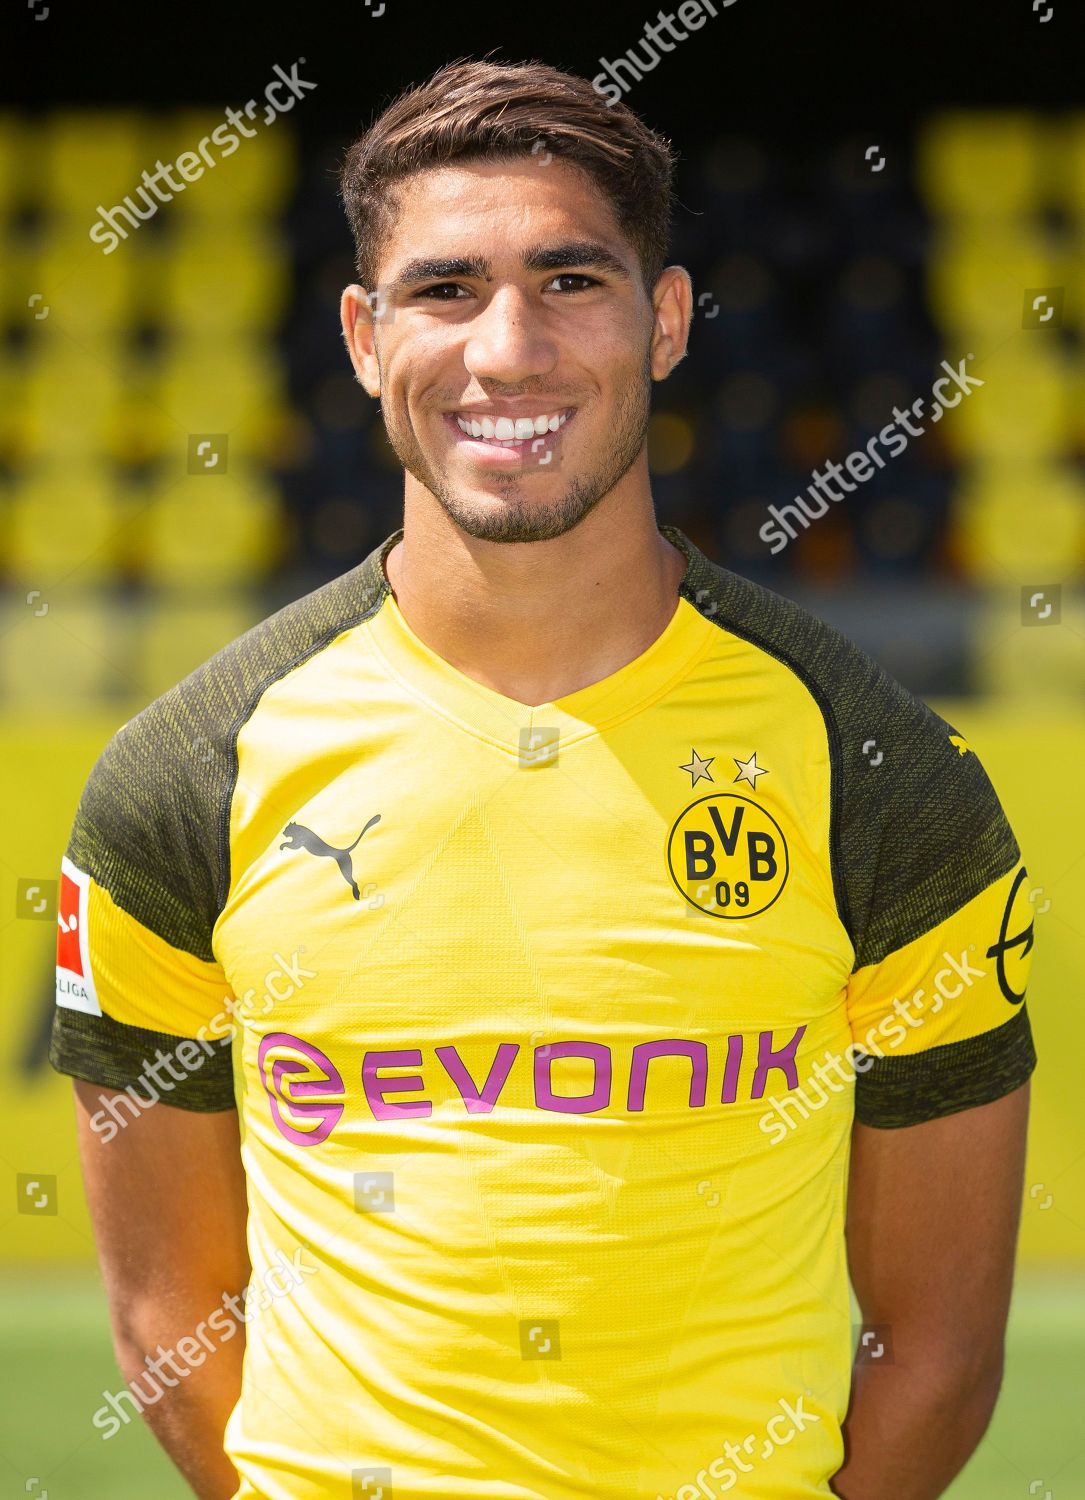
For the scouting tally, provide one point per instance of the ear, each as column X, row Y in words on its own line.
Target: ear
column 672, row 301
column 356, row 313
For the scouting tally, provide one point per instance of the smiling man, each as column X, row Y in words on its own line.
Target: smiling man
column 630, row 998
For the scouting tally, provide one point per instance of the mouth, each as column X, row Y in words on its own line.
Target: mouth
column 533, row 438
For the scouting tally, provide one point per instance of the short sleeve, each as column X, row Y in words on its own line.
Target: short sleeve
column 142, row 1002
column 937, row 1011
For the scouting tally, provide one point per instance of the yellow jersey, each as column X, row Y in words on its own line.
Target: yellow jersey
column 547, row 1027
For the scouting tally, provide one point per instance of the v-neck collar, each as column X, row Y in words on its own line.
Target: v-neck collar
column 488, row 714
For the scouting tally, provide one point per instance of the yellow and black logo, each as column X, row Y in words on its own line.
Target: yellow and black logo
column 727, row 856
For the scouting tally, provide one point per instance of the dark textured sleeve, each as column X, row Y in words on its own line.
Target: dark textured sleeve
column 142, row 1003
column 939, row 898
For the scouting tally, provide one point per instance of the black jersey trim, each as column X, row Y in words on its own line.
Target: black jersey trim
column 103, row 1050
column 899, row 1091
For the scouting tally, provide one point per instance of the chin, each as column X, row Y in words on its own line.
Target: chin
column 497, row 518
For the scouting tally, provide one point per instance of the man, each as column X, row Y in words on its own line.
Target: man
column 576, row 915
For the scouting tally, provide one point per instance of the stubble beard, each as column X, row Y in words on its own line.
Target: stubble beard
column 520, row 518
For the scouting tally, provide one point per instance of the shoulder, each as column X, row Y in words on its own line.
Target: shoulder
column 152, row 821
column 916, row 827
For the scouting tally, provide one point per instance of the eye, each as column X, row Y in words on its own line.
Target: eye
column 576, row 276
column 441, row 286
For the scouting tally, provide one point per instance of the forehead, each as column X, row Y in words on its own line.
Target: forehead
column 495, row 208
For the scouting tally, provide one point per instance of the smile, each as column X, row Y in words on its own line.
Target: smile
column 497, row 432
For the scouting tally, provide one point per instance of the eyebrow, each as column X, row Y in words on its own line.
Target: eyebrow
column 585, row 253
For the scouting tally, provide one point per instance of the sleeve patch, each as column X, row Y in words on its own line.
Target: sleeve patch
column 965, row 976
column 75, row 980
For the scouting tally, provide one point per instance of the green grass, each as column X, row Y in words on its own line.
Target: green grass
column 54, row 1343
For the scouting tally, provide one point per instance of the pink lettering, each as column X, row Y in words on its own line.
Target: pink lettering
column 479, row 1103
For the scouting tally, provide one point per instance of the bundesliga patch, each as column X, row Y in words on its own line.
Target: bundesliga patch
column 75, row 982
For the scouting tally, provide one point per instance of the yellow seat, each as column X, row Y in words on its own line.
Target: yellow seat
column 89, row 294
column 1024, row 411
column 227, row 277
column 70, row 396
column 23, row 299
column 15, row 433
column 1066, row 163
column 68, row 655
column 19, row 173
column 91, row 158
column 63, row 527
column 977, row 278
column 206, row 532
column 213, row 384
column 254, row 181
column 1018, row 524
column 982, row 164
column 1012, row 660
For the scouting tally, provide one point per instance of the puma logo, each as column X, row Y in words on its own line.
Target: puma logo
column 297, row 836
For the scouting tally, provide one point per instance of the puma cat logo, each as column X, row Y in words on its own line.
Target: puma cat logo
column 297, row 836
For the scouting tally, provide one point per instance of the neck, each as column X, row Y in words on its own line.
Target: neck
column 536, row 621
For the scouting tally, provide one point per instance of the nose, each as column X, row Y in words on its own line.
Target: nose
column 508, row 341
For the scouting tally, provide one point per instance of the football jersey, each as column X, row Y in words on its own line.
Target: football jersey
column 547, row 1028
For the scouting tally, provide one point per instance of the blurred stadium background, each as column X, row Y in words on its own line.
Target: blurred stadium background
column 828, row 291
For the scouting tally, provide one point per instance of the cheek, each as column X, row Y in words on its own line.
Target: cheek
column 609, row 353
column 421, row 372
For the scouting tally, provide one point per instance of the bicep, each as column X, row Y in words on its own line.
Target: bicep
column 932, row 1220
column 167, row 1201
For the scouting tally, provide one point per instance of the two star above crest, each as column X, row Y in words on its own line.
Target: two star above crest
column 748, row 770
column 698, row 768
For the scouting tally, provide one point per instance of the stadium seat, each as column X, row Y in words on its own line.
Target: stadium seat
column 213, row 385
column 253, row 182
column 89, row 293
column 1024, row 409
column 70, row 395
column 977, row 277
column 982, row 165
column 65, row 657
column 19, row 164
column 221, row 278
column 64, row 525
column 23, row 302
column 15, row 436
column 91, row 158
column 1021, row 523
column 1066, row 164
column 1011, row 660
column 206, row 532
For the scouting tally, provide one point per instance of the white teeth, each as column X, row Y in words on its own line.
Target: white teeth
column 506, row 429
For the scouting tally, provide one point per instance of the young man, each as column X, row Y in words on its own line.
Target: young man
column 582, row 960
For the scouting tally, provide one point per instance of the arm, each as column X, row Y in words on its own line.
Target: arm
column 933, row 1213
column 167, row 1203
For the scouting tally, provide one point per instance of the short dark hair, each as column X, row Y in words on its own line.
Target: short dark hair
column 496, row 111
